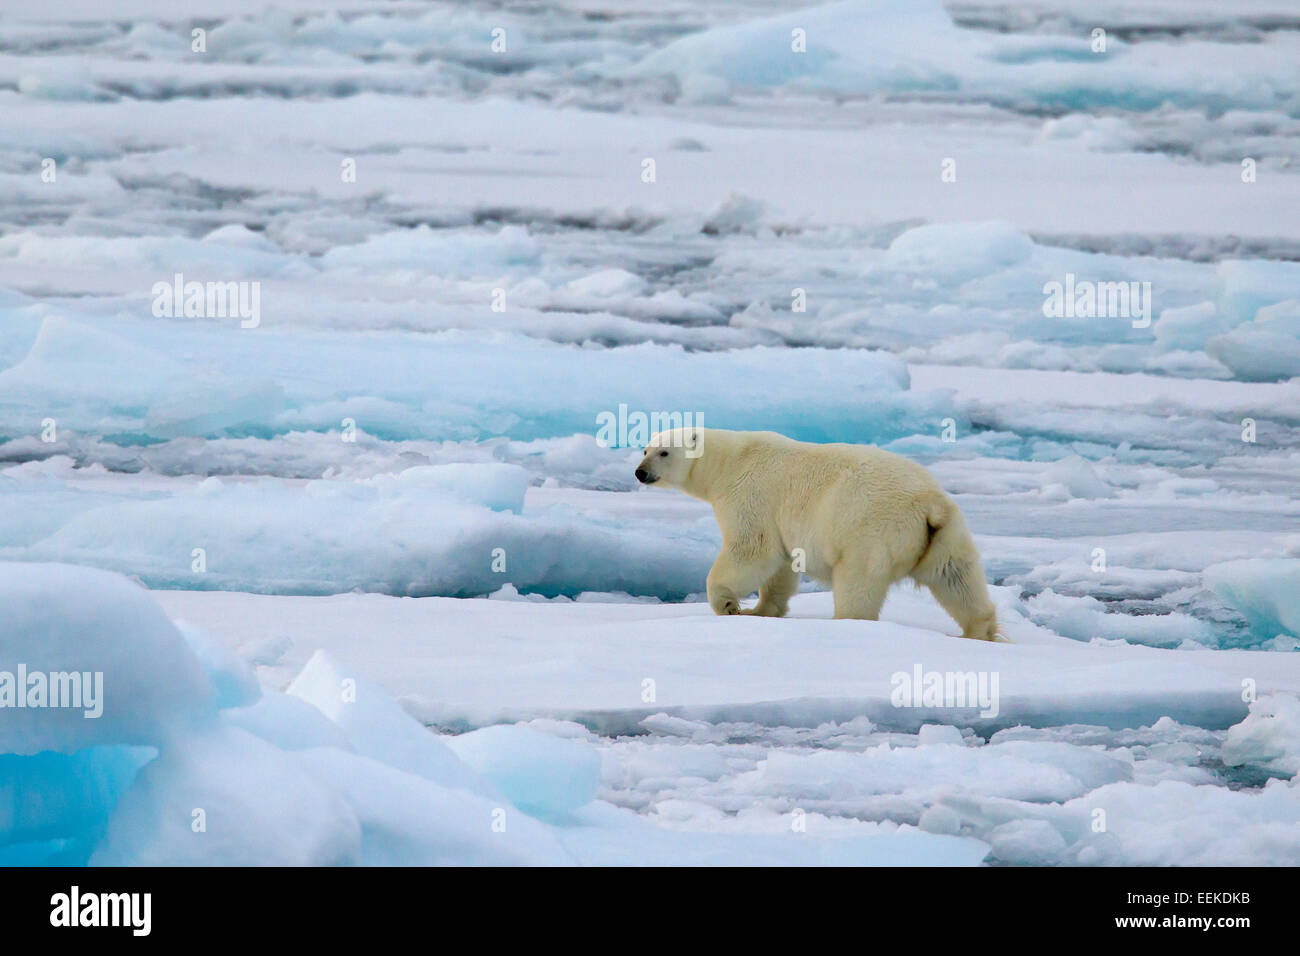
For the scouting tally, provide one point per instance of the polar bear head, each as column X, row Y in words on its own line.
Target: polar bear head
column 670, row 456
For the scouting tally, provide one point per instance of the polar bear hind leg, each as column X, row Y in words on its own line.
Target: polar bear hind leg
column 957, row 589
column 951, row 569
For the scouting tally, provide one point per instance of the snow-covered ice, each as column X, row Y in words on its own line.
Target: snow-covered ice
column 403, row 601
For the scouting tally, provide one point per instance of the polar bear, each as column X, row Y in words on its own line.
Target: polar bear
column 851, row 516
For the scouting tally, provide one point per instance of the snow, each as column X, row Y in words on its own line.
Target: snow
column 1269, row 737
column 375, row 726
column 423, row 531
column 1168, row 823
column 399, row 572
column 905, row 46
column 334, row 771
column 421, row 249
column 613, row 837
column 1025, row 771
column 290, row 723
column 233, row 682
column 740, row 740
column 1257, row 354
column 224, row 797
column 262, row 382
column 1027, row 842
column 407, row 820
column 801, row 671
column 543, row 775
column 959, row 251
column 139, row 681
column 1265, row 590
column 330, row 771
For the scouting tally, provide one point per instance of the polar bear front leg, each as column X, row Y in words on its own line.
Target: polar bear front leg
column 732, row 578
column 775, row 593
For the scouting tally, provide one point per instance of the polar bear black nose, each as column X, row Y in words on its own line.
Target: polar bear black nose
column 641, row 475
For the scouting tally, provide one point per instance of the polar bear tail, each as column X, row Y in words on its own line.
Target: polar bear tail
column 950, row 567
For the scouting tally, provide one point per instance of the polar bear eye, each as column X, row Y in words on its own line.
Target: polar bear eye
column 663, row 454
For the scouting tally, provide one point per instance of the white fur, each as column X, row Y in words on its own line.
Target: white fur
column 862, row 519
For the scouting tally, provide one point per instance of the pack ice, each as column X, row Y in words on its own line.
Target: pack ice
column 189, row 763
column 357, row 577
